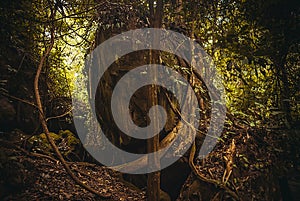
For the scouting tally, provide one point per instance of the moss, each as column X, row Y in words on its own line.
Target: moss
column 71, row 138
column 65, row 140
column 71, row 141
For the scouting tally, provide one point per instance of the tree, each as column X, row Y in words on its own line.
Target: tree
column 153, row 184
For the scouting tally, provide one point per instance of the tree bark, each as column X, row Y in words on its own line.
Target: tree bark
column 153, row 181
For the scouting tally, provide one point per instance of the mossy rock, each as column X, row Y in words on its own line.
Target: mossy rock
column 65, row 140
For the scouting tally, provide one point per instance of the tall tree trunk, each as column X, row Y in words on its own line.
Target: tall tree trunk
column 153, row 183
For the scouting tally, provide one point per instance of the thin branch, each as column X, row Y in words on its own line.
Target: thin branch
column 19, row 99
column 71, row 15
column 59, row 116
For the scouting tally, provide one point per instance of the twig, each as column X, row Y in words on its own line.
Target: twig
column 59, row 116
column 21, row 63
column 229, row 162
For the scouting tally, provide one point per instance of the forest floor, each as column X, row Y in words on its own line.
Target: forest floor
column 39, row 177
column 261, row 162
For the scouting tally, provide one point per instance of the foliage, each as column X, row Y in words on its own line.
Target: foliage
column 251, row 42
column 247, row 40
column 254, row 44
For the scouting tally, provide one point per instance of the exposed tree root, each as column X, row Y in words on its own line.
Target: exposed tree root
column 142, row 162
column 203, row 178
